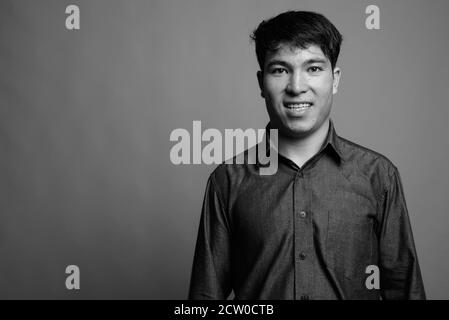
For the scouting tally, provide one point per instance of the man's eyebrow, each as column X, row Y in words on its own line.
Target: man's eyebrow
column 278, row 62
column 286, row 64
column 315, row 60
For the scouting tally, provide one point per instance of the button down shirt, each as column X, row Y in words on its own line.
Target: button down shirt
column 307, row 232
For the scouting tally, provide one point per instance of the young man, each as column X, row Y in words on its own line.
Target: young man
column 332, row 212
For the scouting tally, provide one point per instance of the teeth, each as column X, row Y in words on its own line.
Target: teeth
column 299, row 106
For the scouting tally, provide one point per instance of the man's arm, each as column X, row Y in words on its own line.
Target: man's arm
column 400, row 275
column 211, row 272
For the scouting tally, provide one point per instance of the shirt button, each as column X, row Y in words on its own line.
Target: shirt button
column 304, row 297
column 302, row 256
column 303, row 214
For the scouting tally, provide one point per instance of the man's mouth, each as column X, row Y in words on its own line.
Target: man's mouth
column 299, row 106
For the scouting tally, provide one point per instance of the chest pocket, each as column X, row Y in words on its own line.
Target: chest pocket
column 349, row 241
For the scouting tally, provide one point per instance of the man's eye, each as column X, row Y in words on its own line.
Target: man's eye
column 278, row 70
column 314, row 69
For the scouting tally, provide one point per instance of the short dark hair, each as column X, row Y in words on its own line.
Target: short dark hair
column 299, row 29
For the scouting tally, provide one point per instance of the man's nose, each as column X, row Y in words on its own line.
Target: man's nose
column 297, row 84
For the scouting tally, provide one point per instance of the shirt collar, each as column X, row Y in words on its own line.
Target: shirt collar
column 332, row 141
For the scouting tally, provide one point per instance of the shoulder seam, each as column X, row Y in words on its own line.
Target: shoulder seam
column 220, row 199
column 368, row 150
column 219, row 194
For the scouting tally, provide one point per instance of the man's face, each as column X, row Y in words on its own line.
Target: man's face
column 298, row 85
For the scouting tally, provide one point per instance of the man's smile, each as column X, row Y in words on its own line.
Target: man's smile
column 298, row 108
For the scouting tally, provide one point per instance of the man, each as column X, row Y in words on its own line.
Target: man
column 333, row 209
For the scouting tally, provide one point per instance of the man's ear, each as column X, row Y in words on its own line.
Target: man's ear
column 260, row 81
column 336, row 81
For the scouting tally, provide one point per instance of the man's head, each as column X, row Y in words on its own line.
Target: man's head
column 297, row 52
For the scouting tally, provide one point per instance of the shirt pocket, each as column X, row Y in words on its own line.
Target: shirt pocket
column 349, row 240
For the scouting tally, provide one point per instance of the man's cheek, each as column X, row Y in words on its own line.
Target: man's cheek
column 324, row 90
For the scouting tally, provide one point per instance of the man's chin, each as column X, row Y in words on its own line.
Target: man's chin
column 293, row 128
column 296, row 132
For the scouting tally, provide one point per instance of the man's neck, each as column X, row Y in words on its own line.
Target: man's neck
column 299, row 150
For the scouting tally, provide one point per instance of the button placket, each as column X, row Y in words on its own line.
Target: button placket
column 303, row 237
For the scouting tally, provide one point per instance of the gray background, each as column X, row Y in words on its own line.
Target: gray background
column 85, row 120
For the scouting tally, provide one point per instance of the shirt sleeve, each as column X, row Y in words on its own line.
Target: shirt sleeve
column 400, row 275
column 211, row 275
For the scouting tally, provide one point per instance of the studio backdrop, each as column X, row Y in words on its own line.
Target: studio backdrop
column 87, row 107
